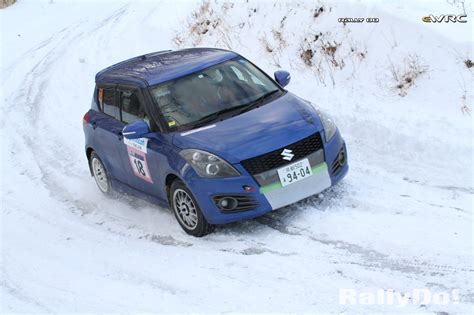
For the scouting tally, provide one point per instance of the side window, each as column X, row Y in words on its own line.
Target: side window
column 106, row 97
column 132, row 109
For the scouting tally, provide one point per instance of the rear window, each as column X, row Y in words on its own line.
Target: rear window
column 106, row 97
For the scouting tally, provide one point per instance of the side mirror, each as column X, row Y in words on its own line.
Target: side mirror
column 282, row 77
column 135, row 130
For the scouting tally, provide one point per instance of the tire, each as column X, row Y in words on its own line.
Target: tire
column 187, row 211
column 100, row 173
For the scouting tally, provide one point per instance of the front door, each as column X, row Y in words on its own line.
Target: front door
column 137, row 154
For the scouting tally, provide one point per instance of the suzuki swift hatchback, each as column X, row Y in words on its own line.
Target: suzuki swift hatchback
column 208, row 133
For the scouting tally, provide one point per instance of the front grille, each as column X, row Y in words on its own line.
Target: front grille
column 274, row 159
column 243, row 202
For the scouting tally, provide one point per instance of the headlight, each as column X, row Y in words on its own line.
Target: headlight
column 207, row 164
column 328, row 124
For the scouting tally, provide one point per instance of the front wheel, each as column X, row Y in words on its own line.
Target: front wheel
column 187, row 211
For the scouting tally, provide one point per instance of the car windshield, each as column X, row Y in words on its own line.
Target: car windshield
column 197, row 99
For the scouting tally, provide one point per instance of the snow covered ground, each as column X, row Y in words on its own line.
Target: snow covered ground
column 401, row 220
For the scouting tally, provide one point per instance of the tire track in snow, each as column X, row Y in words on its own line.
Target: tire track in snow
column 371, row 258
column 29, row 102
column 112, row 19
column 348, row 253
column 32, row 94
column 16, row 293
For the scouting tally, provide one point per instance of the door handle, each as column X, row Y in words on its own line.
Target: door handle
column 119, row 135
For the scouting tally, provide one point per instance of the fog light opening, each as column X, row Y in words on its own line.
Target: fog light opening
column 341, row 158
column 227, row 203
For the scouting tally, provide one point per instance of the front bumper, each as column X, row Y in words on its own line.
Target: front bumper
column 204, row 190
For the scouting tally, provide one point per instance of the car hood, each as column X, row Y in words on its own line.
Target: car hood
column 283, row 121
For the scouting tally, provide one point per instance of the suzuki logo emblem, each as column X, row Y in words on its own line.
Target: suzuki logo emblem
column 287, row 154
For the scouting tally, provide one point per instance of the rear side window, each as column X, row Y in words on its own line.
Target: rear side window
column 107, row 102
column 132, row 109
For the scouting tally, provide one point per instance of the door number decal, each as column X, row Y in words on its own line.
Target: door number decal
column 137, row 158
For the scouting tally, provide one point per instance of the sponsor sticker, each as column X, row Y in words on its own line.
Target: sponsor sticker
column 140, row 144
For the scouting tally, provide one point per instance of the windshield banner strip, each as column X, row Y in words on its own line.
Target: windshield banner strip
column 197, row 130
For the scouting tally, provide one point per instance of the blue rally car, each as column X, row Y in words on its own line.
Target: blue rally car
column 211, row 135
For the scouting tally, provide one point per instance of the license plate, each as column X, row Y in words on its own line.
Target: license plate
column 294, row 172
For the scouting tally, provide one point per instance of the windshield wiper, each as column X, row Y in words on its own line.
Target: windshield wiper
column 256, row 102
column 208, row 118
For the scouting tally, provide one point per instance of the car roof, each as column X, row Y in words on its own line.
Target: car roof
column 161, row 66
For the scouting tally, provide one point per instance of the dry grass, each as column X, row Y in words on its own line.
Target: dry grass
column 361, row 54
column 329, row 51
column 322, row 54
column 468, row 63
column 6, row 3
column 317, row 44
column 465, row 109
column 266, row 45
column 278, row 36
column 203, row 20
column 406, row 75
column 307, row 56
column 317, row 12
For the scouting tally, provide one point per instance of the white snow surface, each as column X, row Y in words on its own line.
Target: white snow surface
column 402, row 218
